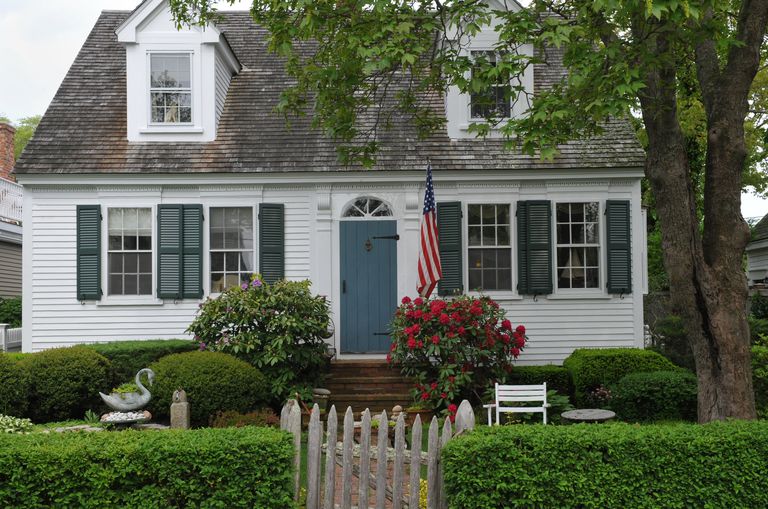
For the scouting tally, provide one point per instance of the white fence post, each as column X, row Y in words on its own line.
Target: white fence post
column 4, row 337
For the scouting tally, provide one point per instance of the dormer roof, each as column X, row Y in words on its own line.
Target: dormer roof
column 84, row 129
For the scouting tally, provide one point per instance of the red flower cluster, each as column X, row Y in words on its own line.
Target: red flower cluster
column 452, row 347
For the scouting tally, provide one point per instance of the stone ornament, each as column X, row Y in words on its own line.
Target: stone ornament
column 130, row 401
column 180, row 414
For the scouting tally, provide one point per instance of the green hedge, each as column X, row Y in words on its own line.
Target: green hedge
column 10, row 311
column 593, row 367
column 214, row 382
column 557, row 377
column 14, row 387
column 609, row 466
column 655, row 396
column 128, row 357
column 760, row 379
column 236, row 467
column 65, row 382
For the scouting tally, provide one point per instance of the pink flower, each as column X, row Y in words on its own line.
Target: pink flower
column 436, row 339
column 444, row 319
column 433, row 385
column 424, row 396
column 443, row 395
column 411, row 343
column 506, row 325
column 418, row 301
column 520, row 341
column 453, row 408
column 406, row 300
column 514, row 351
column 520, row 329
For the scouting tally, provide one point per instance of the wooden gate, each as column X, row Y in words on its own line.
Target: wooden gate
column 349, row 464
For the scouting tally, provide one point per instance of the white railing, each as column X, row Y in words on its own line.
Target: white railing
column 11, row 196
column 10, row 339
column 390, row 483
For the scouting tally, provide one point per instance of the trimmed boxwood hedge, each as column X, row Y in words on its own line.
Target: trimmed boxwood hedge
column 655, row 396
column 592, row 367
column 235, row 467
column 214, row 382
column 557, row 377
column 65, row 382
column 128, row 357
column 609, row 466
column 760, row 379
column 14, row 387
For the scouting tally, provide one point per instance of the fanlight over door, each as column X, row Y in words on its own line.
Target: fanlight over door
column 366, row 207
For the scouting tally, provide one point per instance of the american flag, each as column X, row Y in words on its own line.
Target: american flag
column 430, row 271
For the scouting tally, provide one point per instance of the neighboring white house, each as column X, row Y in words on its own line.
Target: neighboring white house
column 757, row 254
column 160, row 175
column 10, row 218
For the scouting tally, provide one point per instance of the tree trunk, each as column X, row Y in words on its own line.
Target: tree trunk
column 708, row 288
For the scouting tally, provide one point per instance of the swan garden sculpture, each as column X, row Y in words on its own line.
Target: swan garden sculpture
column 127, row 402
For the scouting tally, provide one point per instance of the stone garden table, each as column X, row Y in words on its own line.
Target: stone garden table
column 591, row 415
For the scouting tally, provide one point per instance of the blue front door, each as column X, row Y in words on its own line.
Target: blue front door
column 368, row 285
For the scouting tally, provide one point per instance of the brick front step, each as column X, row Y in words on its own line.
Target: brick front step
column 371, row 384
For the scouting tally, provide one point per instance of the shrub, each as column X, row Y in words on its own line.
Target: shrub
column 232, row 419
column 15, row 356
column 557, row 377
column 758, row 331
column 214, row 382
column 655, row 396
column 10, row 311
column 14, row 386
column 10, row 424
column 610, row 465
column 128, row 357
column 670, row 338
column 758, row 306
column 593, row 367
column 65, row 382
column 237, row 468
column 760, row 379
column 453, row 348
column 278, row 328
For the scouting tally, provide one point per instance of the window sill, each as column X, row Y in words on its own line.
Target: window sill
column 498, row 296
column 150, row 301
column 579, row 296
column 172, row 129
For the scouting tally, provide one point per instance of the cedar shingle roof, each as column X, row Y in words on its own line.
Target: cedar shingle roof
column 84, row 128
column 760, row 231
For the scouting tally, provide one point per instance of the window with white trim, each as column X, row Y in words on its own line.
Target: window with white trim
column 494, row 102
column 232, row 246
column 489, row 247
column 129, row 251
column 170, row 88
column 578, row 245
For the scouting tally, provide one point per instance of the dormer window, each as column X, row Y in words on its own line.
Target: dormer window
column 170, row 88
column 494, row 101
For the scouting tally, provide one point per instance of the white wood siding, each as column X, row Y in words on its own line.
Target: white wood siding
column 757, row 261
column 556, row 324
column 223, row 77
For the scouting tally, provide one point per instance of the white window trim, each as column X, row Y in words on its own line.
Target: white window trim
column 127, row 300
column 179, row 127
column 207, row 238
column 494, row 294
column 601, row 291
column 468, row 106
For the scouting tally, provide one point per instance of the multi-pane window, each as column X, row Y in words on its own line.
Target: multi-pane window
column 493, row 102
column 130, row 251
column 170, row 88
column 578, row 245
column 231, row 246
column 489, row 252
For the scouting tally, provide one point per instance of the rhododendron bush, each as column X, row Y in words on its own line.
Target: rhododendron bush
column 454, row 348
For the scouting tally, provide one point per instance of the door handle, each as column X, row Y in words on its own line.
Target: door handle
column 343, row 286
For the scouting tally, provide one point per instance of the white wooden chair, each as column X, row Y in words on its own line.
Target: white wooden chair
column 518, row 394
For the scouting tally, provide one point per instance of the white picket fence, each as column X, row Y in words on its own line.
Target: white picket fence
column 395, row 486
column 10, row 339
column 11, row 197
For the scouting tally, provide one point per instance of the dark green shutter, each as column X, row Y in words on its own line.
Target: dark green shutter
column 88, row 252
column 169, row 266
column 272, row 241
column 534, row 247
column 619, row 234
column 180, row 251
column 192, row 252
column 449, row 231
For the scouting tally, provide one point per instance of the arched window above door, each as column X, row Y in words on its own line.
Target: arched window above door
column 367, row 207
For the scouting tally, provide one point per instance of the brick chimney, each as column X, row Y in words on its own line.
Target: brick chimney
column 6, row 151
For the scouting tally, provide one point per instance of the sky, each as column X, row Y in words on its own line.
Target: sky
column 39, row 39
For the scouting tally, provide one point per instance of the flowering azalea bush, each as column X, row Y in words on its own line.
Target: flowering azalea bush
column 279, row 328
column 453, row 348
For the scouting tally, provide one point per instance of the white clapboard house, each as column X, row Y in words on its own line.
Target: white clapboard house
column 161, row 174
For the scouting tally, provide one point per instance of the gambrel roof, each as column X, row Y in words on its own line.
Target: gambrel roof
column 84, row 128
